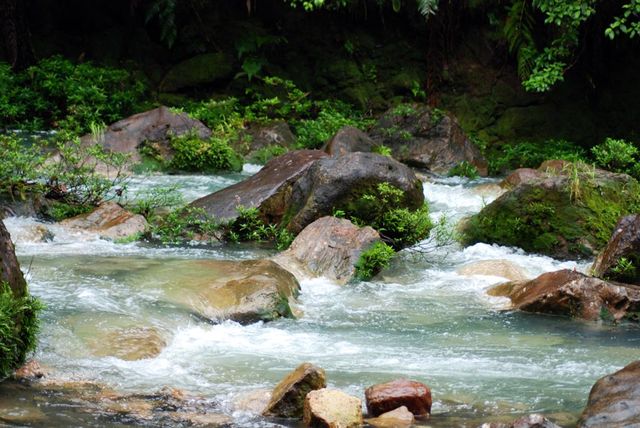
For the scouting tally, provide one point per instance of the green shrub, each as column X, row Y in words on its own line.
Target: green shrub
column 464, row 169
column 383, row 150
column 373, row 260
column 248, row 226
column 531, row 155
column 312, row 133
column 380, row 209
column 265, row 154
column 146, row 203
column 186, row 224
column 59, row 211
column 55, row 93
column 19, row 327
column 617, row 156
column 19, row 164
column 196, row 155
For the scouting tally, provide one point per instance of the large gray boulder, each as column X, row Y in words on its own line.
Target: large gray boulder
column 338, row 183
column 614, row 400
column 269, row 189
column 425, row 137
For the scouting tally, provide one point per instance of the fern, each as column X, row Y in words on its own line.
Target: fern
column 518, row 31
column 428, row 7
column 165, row 12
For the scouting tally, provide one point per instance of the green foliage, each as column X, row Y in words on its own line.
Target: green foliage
column 56, row 93
column 531, row 155
column 332, row 115
column 186, row 224
column 19, row 326
column 373, row 260
column 19, row 164
column 381, row 209
column 382, row 150
column 265, row 154
column 59, row 211
column 617, row 156
column 191, row 153
column 464, row 169
column 248, row 226
column 628, row 23
column 149, row 201
column 278, row 99
column 251, row 49
column 624, row 270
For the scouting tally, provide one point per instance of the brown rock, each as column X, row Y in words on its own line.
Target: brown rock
column 520, row 175
column 9, row 267
column 329, row 408
column 503, row 268
column 427, row 138
column 109, row 220
column 348, row 139
column 287, row 399
column 152, row 128
column 572, row 293
column 614, row 400
column 384, row 397
column 130, row 344
column 554, row 166
column 31, row 370
column 624, row 243
column 398, row 418
column 269, row 189
column 254, row 402
column 328, row 247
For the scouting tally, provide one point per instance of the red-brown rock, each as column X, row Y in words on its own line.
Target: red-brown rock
column 388, row 396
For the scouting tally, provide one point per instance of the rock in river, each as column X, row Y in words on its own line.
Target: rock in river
column 330, row 408
column 385, row 397
column 624, row 244
column 287, row 399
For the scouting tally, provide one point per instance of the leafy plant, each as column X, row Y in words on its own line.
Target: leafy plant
column 313, row 133
column 373, row 260
column 19, row 326
column 382, row 150
column 464, row 169
column 19, row 165
column 186, row 224
column 617, row 156
column 192, row 153
column 624, row 269
column 530, row 155
column 265, row 154
column 149, row 201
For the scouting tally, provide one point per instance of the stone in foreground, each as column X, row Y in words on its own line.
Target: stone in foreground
column 385, row 397
column 330, row 408
column 398, row 418
column 614, row 400
column 574, row 294
column 329, row 247
column 287, row 399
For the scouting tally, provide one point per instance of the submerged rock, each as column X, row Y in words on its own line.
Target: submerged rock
column 329, row 247
column 398, row 418
column 532, row 421
column 425, row 137
column 624, row 244
column 503, row 268
column 337, row 183
column 287, row 399
column 574, row 294
column 565, row 213
column 151, row 128
column 269, row 190
column 385, row 397
column 254, row 402
column 330, row 408
column 614, row 400
column 109, row 220
column 246, row 292
column 348, row 139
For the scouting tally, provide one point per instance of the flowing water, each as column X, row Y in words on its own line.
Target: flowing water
column 419, row 319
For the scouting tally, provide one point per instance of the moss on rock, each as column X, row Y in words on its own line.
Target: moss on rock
column 568, row 213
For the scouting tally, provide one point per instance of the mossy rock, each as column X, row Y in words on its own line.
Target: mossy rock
column 564, row 214
column 198, row 70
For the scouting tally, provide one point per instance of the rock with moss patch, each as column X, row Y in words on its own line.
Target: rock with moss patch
column 614, row 400
column 152, row 129
column 620, row 259
column 328, row 247
column 260, row 139
column 426, row 137
column 198, row 70
column 287, row 399
column 564, row 213
column 10, row 272
column 269, row 190
column 329, row 408
column 574, row 294
column 339, row 183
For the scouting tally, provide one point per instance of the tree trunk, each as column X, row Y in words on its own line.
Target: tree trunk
column 15, row 33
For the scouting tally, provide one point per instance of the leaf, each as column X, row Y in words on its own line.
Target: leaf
column 396, row 5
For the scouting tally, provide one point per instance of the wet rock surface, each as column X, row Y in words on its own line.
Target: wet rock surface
column 109, row 220
column 287, row 399
column 624, row 244
column 385, row 397
column 330, row 408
